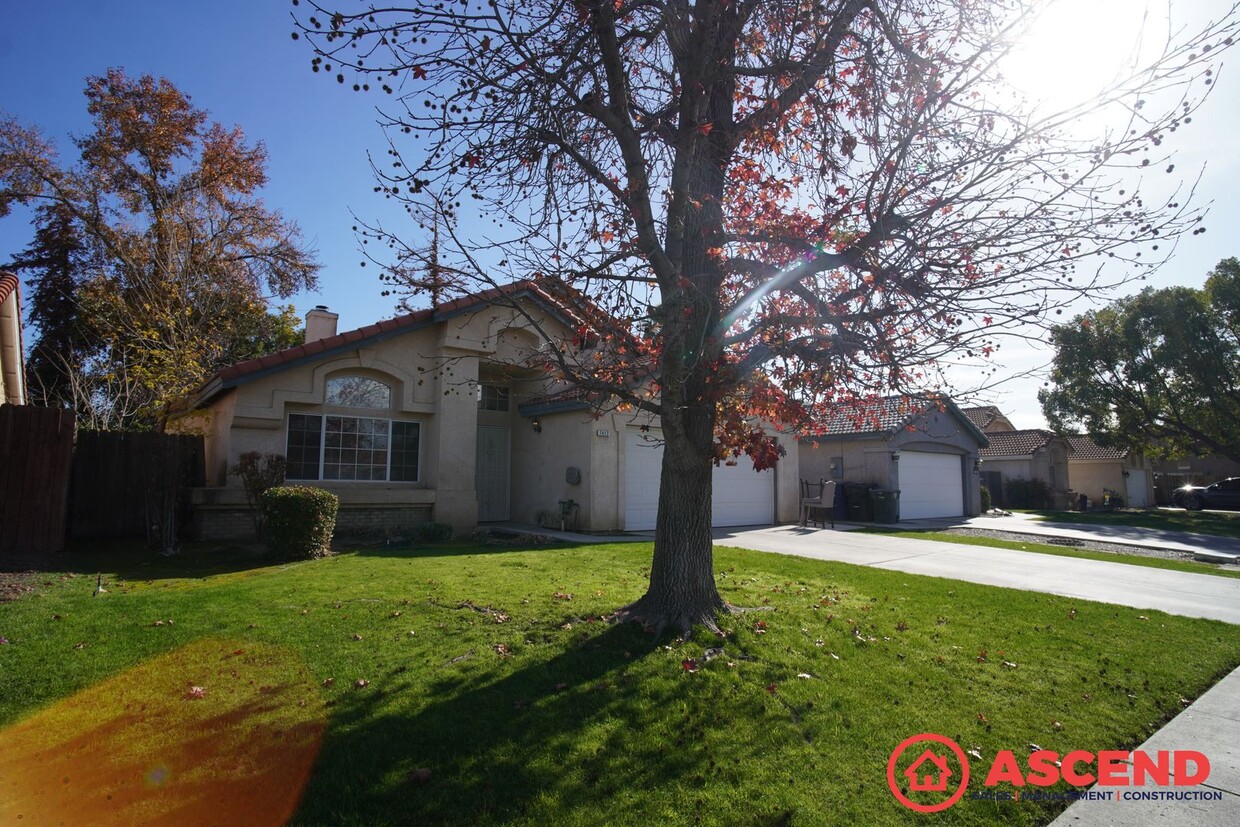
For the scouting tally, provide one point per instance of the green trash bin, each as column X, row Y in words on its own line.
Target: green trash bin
column 886, row 506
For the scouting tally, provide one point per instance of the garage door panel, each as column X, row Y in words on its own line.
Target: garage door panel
column 930, row 485
column 741, row 495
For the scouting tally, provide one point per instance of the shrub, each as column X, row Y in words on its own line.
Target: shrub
column 258, row 473
column 433, row 533
column 1022, row 493
column 985, row 499
column 299, row 521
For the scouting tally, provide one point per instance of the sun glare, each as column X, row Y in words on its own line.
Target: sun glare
column 1073, row 49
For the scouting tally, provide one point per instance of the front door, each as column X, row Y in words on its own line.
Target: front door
column 492, row 473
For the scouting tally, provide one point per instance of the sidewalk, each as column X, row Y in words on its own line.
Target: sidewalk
column 1210, row 726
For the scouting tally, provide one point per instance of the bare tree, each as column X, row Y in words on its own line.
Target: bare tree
column 785, row 204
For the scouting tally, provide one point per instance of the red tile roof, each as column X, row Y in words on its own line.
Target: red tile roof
column 1017, row 443
column 1085, row 448
column 557, row 297
column 8, row 284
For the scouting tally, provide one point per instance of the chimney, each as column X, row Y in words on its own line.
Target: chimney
column 320, row 323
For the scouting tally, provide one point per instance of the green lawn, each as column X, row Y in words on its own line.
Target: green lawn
column 1062, row 551
column 1220, row 523
column 479, row 686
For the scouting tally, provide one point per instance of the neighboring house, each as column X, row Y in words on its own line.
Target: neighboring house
column 1015, row 454
column 926, row 449
column 1032, row 454
column 1171, row 474
column 1096, row 469
column 445, row 415
column 12, row 356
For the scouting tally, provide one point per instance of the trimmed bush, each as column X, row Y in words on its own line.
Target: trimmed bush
column 985, row 499
column 299, row 521
column 433, row 533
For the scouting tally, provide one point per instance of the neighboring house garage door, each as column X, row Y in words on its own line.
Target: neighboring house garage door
column 930, row 485
column 741, row 495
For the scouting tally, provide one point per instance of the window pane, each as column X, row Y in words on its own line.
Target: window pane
column 358, row 392
column 357, row 448
column 405, row 438
column 302, row 449
column 492, row 398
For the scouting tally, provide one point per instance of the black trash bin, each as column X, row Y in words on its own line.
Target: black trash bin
column 886, row 506
column 857, row 501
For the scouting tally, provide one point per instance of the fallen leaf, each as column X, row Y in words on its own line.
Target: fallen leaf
column 356, row 636
column 329, row 681
column 562, row 596
column 772, row 688
column 196, row 693
column 805, row 675
column 1007, row 664
column 976, row 753
column 760, row 627
column 395, row 614
column 361, row 683
column 689, row 665
column 1055, row 725
column 1142, row 617
column 81, row 645
column 502, row 650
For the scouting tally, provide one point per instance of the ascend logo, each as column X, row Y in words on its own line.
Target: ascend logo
column 936, row 770
column 928, row 763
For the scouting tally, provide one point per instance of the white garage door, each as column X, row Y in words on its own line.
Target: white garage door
column 930, row 485
column 741, row 495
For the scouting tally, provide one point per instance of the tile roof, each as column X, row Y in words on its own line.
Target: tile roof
column 982, row 415
column 883, row 416
column 8, row 284
column 1085, row 448
column 1017, row 443
column 557, row 297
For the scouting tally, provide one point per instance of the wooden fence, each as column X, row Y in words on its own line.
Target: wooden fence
column 36, row 447
column 124, row 482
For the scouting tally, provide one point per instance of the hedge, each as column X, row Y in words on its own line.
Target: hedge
column 299, row 521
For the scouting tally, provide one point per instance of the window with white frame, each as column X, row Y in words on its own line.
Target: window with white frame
column 331, row 447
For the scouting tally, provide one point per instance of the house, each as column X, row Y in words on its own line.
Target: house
column 1096, row 470
column 921, row 778
column 1018, row 462
column 925, row 448
column 12, row 355
column 1170, row 474
column 447, row 415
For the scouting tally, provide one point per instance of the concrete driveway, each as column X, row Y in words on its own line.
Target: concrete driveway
column 1182, row 593
column 1205, row 544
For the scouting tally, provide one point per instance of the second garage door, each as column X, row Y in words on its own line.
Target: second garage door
column 741, row 495
column 930, row 485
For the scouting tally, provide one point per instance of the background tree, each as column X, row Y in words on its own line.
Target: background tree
column 176, row 256
column 1158, row 372
column 793, row 203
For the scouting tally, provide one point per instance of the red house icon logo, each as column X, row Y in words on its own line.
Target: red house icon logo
column 921, row 777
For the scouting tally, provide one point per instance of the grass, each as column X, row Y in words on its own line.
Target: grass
column 1062, row 551
column 493, row 694
column 1217, row 523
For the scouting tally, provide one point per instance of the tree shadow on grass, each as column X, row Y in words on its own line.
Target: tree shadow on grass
column 558, row 734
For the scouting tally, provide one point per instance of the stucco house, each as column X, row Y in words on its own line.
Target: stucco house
column 925, row 448
column 1021, row 454
column 1096, row 470
column 448, row 415
column 12, row 356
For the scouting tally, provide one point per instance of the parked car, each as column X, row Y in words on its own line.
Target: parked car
column 1222, row 495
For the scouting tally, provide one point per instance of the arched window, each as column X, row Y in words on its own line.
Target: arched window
column 358, row 392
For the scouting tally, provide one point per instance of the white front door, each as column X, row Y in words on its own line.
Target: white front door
column 931, row 485
column 492, row 473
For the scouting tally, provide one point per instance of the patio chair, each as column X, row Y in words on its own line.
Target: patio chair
column 818, row 496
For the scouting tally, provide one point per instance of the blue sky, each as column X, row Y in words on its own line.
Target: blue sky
column 236, row 59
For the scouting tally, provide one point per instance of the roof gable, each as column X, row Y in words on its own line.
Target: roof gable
column 560, row 300
column 885, row 416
